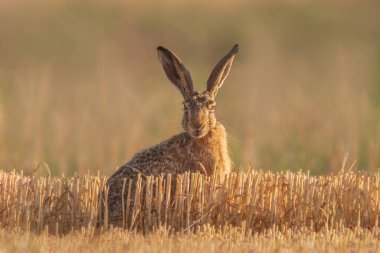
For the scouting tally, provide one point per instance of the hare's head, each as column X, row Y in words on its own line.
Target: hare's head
column 199, row 107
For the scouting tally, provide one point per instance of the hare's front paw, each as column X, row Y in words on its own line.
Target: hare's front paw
column 199, row 167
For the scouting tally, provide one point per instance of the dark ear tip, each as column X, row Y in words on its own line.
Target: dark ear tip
column 235, row 49
column 162, row 52
column 161, row 49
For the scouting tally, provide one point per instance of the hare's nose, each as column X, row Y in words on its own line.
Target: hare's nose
column 197, row 125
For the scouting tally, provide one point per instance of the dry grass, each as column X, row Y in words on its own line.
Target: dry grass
column 254, row 210
column 208, row 240
column 253, row 201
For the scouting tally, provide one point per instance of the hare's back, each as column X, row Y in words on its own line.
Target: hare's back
column 166, row 157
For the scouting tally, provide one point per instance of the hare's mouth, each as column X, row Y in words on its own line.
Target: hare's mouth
column 198, row 133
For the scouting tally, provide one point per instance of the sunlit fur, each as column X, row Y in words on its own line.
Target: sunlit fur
column 201, row 148
column 205, row 152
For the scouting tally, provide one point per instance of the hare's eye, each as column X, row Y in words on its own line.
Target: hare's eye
column 212, row 107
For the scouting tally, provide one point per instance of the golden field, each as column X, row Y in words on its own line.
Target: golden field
column 245, row 211
column 355, row 240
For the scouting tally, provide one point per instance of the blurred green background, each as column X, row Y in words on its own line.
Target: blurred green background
column 81, row 87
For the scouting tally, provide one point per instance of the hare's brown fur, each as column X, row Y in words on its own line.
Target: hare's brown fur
column 201, row 148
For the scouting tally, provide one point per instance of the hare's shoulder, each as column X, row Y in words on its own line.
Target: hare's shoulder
column 219, row 132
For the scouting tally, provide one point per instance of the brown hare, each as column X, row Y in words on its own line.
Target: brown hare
column 202, row 147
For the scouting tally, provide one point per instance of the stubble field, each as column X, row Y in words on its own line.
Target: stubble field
column 243, row 212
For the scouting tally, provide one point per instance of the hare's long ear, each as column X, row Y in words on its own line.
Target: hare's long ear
column 220, row 71
column 176, row 71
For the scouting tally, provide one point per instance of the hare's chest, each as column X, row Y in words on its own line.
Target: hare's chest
column 208, row 154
